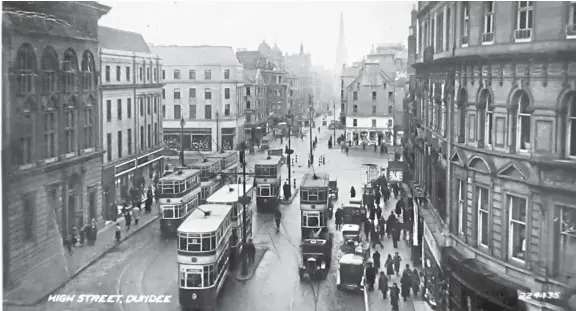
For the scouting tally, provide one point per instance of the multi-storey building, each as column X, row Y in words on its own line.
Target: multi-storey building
column 277, row 92
column 51, row 155
column 294, row 104
column 370, row 100
column 301, row 65
column 349, row 73
column 255, row 99
column 494, row 151
column 132, row 122
column 202, row 96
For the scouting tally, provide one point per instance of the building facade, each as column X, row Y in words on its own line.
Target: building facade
column 255, row 113
column 202, row 96
column 370, row 99
column 52, row 155
column 132, row 121
column 493, row 151
column 294, row 104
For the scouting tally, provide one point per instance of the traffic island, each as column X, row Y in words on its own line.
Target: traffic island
column 290, row 199
column 260, row 252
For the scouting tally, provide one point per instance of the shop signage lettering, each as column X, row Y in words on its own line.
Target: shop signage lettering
column 395, row 171
column 395, row 176
column 432, row 243
column 124, row 167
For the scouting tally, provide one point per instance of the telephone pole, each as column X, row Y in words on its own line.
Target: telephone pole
column 244, row 201
column 310, row 103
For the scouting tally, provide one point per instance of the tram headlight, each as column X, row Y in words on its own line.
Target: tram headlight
column 194, row 296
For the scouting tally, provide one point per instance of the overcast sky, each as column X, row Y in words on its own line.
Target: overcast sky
column 243, row 24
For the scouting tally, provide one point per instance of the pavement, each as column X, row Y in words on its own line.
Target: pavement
column 81, row 258
column 146, row 263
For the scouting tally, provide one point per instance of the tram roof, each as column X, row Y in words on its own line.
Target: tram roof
column 273, row 160
column 201, row 163
column 219, row 155
column 228, row 193
column 352, row 259
column 309, row 181
column 198, row 222
column 350, row 227
column 179, row 175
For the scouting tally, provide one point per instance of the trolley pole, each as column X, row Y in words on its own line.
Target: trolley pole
column 310, row 102
column 289, row 151
column 244, row 206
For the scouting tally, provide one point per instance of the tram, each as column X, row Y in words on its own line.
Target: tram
column 209, row 170
column 314, row 203
column 178, row 197
column 231, row 195
column 268, row 179
column 229, row 162
column 203, row 256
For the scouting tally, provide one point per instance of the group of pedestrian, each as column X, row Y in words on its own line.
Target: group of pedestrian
column 87, row 235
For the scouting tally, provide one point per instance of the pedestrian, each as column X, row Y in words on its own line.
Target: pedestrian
column 352, row 192
column 370, row 276
column 364, row 198
column 407, row 270
column 381, row 227
column 149, row 198
column 390, row 224
column 367, row 227
column 397, row 261
column 415, row 282
column 377, row 198
column 378, row 212
column 389, row 266
column 68, row 244
column 338, row 218
column 376, row 258
column 406, row 284
column 136, row 215
column 375, row 238
column 128, row 219
column 395, row 188
column 375, row 148
column 383, row 284
column 372, row 214
column 399, row 207
column 386, row 194
column 156, row 193
column 251, row 251
column 118, row 232
column 347, row 149
column 93, row 231
column 394, row 297
column 395, row 236
column 286, row 190
column 74, row 236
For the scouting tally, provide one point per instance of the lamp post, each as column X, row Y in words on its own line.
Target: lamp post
column 217, row 131
column 244, row 200
column 182, row 123
column 289, row 122
column 310, row 103
column 334, row 125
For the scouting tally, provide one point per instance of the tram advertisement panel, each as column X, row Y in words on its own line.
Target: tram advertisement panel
column 369, row 172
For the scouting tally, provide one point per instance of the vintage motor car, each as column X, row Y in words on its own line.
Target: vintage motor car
column 353, row 214
column 333, row 188
column 316, row 258
column 351, row 232
column 350, row 275
column 277, row 153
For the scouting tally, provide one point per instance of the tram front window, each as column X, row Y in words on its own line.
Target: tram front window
column 265, row 191
column 209, row 276
column 168, row 212
column 191, row 278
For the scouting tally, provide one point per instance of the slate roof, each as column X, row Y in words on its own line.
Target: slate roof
column 203, row 55
column 121, row 40
column 351, row 71
column 264, row 48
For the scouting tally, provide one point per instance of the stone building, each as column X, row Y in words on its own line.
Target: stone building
column 370, row 101
column 255, row 98
column 52, row 156
column 493, row 148
column 132, row 120
column 202, row 96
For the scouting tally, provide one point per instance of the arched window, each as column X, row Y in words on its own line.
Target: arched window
column 524, row 122
column 70, row 121
column 571, row 129
column 26, row 68
column 89, row 123
column 24, row 150
column 70, row 68
column 88, row 71
column 485, row 118
column 51, row 130
column 462, row 103
column 50, row 68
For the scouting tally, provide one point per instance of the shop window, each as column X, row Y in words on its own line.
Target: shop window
column 517, row 211
column 566, row 226
column 483, row 215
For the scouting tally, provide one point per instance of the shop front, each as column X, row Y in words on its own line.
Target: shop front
column 201, row 139
column 473, row 288
column 138, row 173
column 434, row 285
column 228, row 138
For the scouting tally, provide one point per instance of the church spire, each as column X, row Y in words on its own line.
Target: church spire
column 301, row 47
column 341, row 53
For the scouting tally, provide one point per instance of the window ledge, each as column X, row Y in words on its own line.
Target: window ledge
column 570, row 36
column 524, row 40
column 465, row 45
column 50, row 160
column 26, row 166
column 488, row 42
column 88, row 150
column 69, row 155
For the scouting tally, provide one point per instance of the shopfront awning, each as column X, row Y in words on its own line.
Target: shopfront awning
column 487, row 284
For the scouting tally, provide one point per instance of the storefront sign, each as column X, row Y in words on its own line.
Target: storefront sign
column 151, row 157
column 395, row 171
column 429, row 238
column 124, row 168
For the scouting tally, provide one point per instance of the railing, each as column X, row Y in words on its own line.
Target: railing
column 523, row 34
column 487, row 37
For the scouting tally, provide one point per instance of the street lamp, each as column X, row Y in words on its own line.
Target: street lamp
column 244, row 200
column 182, row 123
column 334, row 102
column 217, row 131
column 290, row 123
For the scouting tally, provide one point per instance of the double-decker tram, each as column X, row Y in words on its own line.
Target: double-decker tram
column 268, row 179
column 178, row 197
column 203, row 256
column 231, row 194
column 314, row 203
column 229, row 162
column 209, row 170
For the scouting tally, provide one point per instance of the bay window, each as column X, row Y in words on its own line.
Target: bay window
column 517, row 224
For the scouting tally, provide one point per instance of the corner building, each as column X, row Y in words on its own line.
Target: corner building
column 202, row 96
column 52, row 156
column 496, row 85
column 131, row 117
